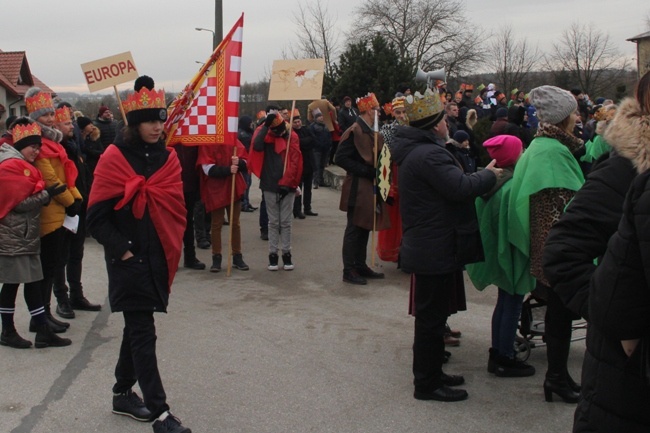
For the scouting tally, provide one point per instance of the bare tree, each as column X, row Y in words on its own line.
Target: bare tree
column 511, row 60
column 434, row 33
column 317, row 35
column 588, row 56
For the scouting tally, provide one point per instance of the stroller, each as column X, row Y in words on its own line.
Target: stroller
column 531, row 325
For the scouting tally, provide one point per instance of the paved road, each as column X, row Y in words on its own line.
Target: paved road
column 274, row 352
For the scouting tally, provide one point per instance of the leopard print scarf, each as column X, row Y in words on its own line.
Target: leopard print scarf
column 548, row 130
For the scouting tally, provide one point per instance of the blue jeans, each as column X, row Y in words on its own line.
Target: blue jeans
column 504, row 322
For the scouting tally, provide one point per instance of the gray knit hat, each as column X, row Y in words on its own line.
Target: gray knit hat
column 552, row 103
column 38, row 107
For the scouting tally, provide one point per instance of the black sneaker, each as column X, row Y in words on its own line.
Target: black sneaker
column 286, row 260
column 171, row 424
column 273, row 262
column 131, row 405
column 238, row 262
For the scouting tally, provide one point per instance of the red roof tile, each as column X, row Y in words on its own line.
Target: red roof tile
column 15, row 74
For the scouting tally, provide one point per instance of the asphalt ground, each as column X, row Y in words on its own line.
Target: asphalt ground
column 263, row 351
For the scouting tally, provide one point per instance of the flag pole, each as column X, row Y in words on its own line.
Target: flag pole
column 232, row 211
column 286, row 156
column 374, row 191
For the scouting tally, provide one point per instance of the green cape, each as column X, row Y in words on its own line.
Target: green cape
column 596, row 147
column 498, row 267
column 547, row 163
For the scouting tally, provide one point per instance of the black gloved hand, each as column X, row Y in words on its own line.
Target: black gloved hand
column 283, row 191
column 219, row 171
column 390, row 201
column 269, row 119
column 74, row 208
column 55, row 189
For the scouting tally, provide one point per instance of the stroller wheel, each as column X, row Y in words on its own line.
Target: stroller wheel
column 522, row 349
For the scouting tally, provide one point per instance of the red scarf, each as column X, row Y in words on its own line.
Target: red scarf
column 53, row 150
column 20, row 180
column 162, row 194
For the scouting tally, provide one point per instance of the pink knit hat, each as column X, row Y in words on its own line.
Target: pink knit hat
column 506, row 149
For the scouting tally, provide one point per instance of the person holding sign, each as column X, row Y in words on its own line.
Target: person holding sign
column 137, row 212
column 357, row 155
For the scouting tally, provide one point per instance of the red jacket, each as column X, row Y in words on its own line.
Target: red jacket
column 216, row 191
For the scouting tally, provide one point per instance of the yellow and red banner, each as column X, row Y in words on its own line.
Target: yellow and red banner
column 206, row 112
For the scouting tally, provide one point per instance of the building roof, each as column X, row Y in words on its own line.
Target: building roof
column 645, row 35
column 15, row 75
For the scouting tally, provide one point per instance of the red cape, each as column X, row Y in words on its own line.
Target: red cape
column 20, row 180
column 162, row 194
column 53, row 150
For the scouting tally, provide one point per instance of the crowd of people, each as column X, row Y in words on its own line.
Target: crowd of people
column 551, row 202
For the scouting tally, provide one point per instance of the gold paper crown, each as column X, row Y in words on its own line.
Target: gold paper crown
column 144, row 99
column 20, row 132
column 39, row 101
column 367, row 102
column 423, row 106
column 398, row 102
column 62, row 115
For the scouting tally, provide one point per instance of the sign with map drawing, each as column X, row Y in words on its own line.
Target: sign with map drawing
column 295, row 80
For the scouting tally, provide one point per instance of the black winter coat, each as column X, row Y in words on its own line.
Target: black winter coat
column 307, row 144
column 617, row 387
column 440, row 229
column 582, row 233
column 615, row 296
column 141, row 282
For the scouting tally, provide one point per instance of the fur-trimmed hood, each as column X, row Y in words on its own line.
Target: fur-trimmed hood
column 629, row 134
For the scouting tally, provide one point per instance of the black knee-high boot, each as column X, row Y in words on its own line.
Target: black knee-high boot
column 557, row 377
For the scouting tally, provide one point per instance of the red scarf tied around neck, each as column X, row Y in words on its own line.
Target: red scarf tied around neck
column 162, row 193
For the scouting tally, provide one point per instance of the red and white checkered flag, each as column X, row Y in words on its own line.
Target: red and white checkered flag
column 207, row 110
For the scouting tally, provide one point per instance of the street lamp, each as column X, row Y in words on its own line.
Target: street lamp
column 214, row 35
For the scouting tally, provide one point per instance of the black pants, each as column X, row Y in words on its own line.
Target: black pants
column 305, row 197
column 264, row 216
column 201, row 222
column 53, row 257
column 73, row 250
column 138, row 362
column 355, row 244
column 189, row 251
column 431, row 310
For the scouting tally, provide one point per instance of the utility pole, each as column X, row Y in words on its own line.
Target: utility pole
column 218, row 23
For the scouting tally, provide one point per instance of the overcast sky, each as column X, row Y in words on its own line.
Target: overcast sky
column 161, row 35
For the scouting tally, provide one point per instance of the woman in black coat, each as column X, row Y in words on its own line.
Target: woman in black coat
column 615, row 296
